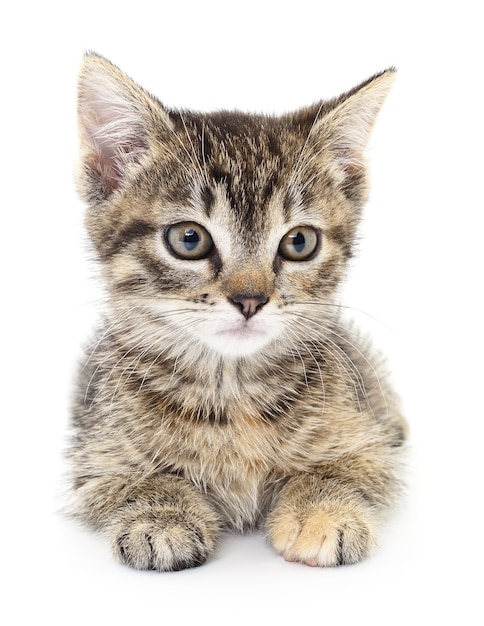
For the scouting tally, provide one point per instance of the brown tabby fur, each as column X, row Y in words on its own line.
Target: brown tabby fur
column 175, row 438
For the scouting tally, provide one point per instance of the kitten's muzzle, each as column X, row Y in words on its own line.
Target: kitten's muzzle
column 248, row 305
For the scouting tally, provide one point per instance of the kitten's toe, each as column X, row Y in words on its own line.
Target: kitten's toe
column 162, row 541
column 322, row 537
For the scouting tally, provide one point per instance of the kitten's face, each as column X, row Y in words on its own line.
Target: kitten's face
column 236, row 274
column 226, row 232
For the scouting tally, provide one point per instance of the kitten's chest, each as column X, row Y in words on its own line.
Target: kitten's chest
column 242, row 451
column 238, row 465
column 228, row 433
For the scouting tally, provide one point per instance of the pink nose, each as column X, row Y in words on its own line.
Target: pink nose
column 248, row 305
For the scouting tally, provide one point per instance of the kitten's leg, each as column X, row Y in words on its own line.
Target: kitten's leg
column 161, row 522
column 328, row 518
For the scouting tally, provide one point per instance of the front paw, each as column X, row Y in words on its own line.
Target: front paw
column 322, row 535
column 162, row 540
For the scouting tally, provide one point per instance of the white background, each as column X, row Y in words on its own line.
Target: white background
column 419, row 273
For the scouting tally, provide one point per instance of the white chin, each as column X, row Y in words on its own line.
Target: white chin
column 237, row 342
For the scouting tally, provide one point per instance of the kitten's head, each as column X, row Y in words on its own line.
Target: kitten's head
column 221, row 230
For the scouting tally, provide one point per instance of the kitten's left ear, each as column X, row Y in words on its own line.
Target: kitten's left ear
column 345, row 128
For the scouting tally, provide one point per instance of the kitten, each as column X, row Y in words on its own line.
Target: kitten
column 224, row 390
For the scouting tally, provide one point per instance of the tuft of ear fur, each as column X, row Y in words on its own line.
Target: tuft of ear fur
column 345, row 128
column 117, row 119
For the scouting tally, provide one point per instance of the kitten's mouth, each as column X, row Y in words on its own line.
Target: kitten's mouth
column 239, row 338
column 241, row 332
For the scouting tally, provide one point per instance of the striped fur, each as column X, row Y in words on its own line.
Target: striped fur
column 227, row 391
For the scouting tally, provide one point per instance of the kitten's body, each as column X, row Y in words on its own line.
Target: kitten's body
column 224, row 389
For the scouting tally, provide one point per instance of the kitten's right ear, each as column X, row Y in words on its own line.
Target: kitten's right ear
column 117, row 119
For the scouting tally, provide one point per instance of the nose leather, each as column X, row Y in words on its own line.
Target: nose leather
column 249, row 305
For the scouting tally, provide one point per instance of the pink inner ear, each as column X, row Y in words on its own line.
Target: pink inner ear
column 112, row 133
column 113, row 157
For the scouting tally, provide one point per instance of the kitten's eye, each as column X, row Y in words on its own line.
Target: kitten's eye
column 299, row 243
column 188, row 240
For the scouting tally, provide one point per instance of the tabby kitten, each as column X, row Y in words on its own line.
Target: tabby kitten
column 224, row 390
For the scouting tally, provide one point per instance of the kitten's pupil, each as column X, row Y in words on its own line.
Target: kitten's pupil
column 298, row 241
column 191, row 239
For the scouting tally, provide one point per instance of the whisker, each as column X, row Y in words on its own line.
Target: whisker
column 289, row 329
column 177, row 159
column 202, row 147
column 192, row 157
column 129, row 325
column 303, row 322
column 338, row 355
column 159, row 355
column 337, row 305
column 300, row 162
column 195, row 160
